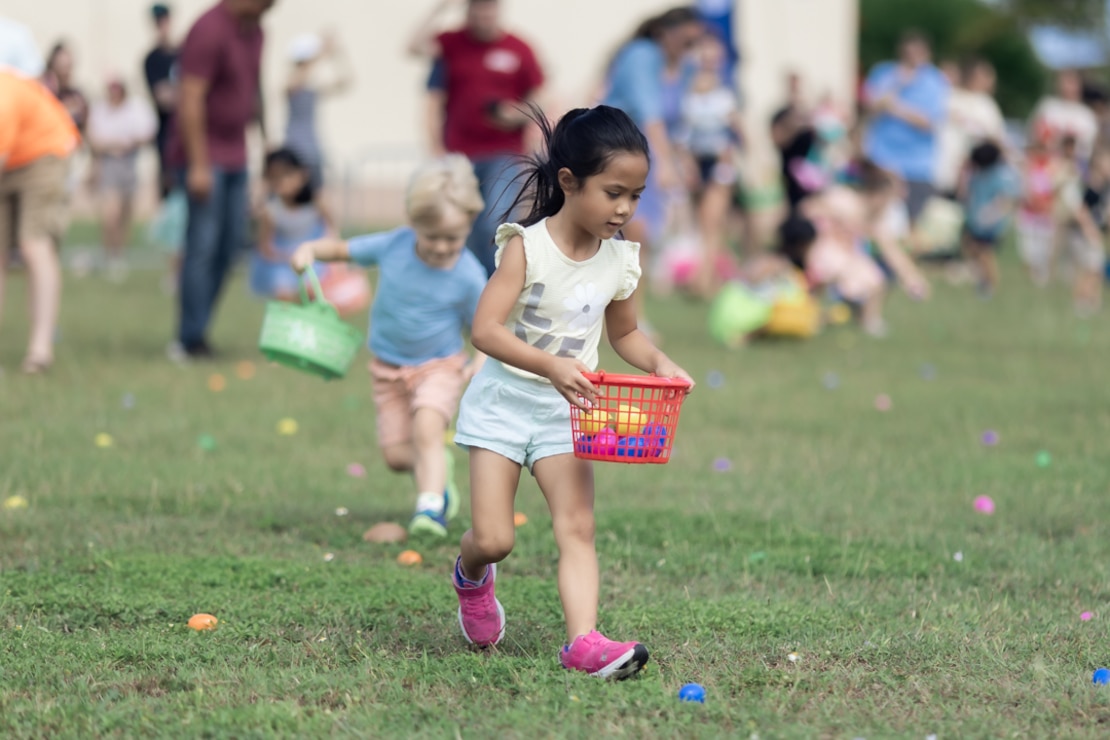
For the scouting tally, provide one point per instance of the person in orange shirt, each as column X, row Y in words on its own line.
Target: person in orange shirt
column 37, row 137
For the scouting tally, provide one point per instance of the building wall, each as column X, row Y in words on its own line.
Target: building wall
column 375, row 132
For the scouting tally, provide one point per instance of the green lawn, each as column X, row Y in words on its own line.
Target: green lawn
column 835, row 536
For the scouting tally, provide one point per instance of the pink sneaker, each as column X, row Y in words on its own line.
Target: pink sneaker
column 599, row 656
column 481, row 616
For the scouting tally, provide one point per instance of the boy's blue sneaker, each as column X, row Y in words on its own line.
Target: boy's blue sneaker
column 451, row 492
column 430, row 515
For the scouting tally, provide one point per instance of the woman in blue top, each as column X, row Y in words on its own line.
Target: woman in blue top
column 642, row 81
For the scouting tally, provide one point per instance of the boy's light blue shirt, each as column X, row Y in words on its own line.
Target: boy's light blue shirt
column 894, row 144
column 419, row 311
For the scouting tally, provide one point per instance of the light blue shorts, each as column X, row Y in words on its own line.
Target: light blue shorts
column 521, row 419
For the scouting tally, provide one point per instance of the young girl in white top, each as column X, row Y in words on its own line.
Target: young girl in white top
column 562, row 276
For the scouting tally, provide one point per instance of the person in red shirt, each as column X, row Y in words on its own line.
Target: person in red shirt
column 491, row 76
column 220, row 96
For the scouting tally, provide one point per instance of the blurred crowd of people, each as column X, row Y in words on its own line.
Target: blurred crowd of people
column 920, row 167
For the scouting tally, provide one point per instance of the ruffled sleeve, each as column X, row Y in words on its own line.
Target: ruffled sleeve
column 505, row 234
column 630, row 278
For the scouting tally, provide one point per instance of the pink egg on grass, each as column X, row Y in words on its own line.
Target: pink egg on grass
column 984, row 505
column 1086, row 617
column 883, row 402
column 355, row 470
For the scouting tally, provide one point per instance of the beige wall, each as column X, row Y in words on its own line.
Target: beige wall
column 375, row 132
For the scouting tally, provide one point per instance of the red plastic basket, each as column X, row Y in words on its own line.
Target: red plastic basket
column 633, row 421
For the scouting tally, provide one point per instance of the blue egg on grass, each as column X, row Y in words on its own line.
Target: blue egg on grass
column 1102, row 676
column 634, row 446
column 692, row 692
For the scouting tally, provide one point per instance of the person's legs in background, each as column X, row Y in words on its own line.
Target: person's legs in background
column 233, row 232
column 497, row 178
column 40, row 219
column 200, row 255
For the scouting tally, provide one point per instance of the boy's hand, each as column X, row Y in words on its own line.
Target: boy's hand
column 303, row 258
column 566, row 376
column 668, row 369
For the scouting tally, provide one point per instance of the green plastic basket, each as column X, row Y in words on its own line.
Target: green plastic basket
column 309, row 337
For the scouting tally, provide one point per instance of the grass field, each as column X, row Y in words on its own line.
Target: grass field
column 841, row 534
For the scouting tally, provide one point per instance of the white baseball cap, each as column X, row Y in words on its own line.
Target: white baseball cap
column 305, row 47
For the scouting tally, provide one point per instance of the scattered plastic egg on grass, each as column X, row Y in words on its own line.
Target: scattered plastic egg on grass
column 329, row 556
column 883, row 402
column 206, row 442
column 958, row 557
column 217, row 383
column 990, row 438
column 201, row 622
column 245, row 370
column 1086, row 617
column 410, row 557
column 1101, row 677
column 692, row 692
column 520, row 519
column 287, row 427
column 356, row 470
column 715, row 379
column 722, row 465
column 831, row 381
column 927, row 372
column 1043, row 459
column 15, row 502
column 104, row 441
column 342, row 511
column 984, row 505
column 793, row 657
column 128, row 401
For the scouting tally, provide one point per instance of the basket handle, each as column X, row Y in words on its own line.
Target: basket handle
column 644, row 381
column 309, row 276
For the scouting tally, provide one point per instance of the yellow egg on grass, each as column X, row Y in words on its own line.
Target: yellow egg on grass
column 630, row 420
column 592, row 422
column 104, row 440
column 287, row 427
column 15, row 502
column 839, row 314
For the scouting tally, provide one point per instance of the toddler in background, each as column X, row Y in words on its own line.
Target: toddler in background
column 427, row 294
column 992, row 194
column 293, row 213
column 1041, row 178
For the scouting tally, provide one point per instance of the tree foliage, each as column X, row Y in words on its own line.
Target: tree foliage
column 1071, row 13
column 959, row 30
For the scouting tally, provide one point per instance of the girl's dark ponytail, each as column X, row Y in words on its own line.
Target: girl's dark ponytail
column 583, row 141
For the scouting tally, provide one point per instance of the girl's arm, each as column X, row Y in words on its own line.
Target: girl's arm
column 266, row 236
column 904, row 269
column 634, row 347
column 343, row 75
column 490, row 336
column 331, row 230
column 319, row 250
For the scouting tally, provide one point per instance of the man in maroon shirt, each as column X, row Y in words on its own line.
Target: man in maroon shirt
column 220, row 96
column 490, row 75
